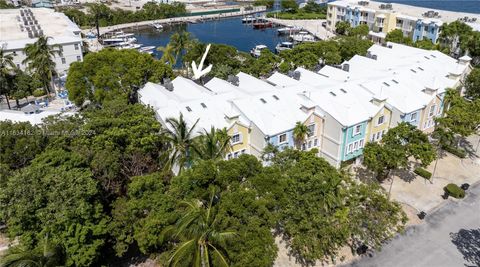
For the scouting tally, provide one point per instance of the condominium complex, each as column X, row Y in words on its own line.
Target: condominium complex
column 343, row 108
column 19, row 27
column 381, row 18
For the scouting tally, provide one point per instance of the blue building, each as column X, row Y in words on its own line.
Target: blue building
column 427, row 29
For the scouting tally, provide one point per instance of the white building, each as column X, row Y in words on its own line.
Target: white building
column 19, row 27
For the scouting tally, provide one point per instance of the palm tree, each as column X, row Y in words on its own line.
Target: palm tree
column 98, row 11
column 299, row 133
column 45, row 255
column 202, row 242
column 180, row 138
column 168, row 56
column 213, row 145
column 7, row 66
column 179, row 42
column 40, row 60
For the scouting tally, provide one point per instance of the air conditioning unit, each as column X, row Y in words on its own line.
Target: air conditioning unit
column 346, row 67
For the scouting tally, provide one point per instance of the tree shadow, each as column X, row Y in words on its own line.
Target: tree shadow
column 365, row 175
column 468, row 147
column 405, row 174
column 468, row 243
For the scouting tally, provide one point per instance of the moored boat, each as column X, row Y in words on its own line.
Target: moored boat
column 283, row 46
column 249, row 19
column 157, row 26
column 302, row 36
column 289, row 29
column 262, row 24
column 257, row 50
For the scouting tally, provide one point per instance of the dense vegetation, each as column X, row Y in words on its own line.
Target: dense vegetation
column 5, row 5
column 99, row 185
column 111, row 72
column 291, row 10
column 104, row 16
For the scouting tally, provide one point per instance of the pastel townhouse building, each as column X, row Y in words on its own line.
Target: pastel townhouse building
column 382, row 18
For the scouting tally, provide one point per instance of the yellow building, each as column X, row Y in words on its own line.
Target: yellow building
column 379, row 125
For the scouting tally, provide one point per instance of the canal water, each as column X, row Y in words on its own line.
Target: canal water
column 228, row 31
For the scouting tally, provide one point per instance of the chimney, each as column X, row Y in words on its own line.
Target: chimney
column 346, row 67
column 465, row 60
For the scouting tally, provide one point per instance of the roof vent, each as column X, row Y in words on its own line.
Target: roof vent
column 233, row 80
column 332, row 93
column 395, row 81
column 374, row 57
column 294, row 74
column 276, row 97
column 346, row 67
column 386, row 84
column 203, row 105
column 188, row 109
column 343, row 90
column 167, row 83
column 263, row 100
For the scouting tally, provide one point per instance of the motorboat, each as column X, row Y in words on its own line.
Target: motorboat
column 283, row 46
column 146, row 48
column 302, row 36
column 289, row 29
column 249, row 19
column 129, row 46
column 262, row 24
column 257, row 50
column 157, row 26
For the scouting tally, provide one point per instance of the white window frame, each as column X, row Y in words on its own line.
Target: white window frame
column 311, row 132
column 355, row 146
column 413, row 116
column 79, row 58
column 233, row 141
column 64, row 61
column 349, row 148
column 383, row 120
column 76, row 46
column 360, row 144
column 355, row 131
column 431, row 112
column 280, row 138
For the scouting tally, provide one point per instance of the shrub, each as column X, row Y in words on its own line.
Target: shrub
column 423, row 173
column 456, row 151
column 454, row 191
column 38, row 93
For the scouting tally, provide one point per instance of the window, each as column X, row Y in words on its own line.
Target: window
column 432, row 111
column 357, row 129
column 76, row 46
column 378, row 136
column 309, row 144
column 242, row 151
column 355, row 146
column 311, row 130
column 315, row 142
column 282, row 138
column 79, row 58
column 236, row 139
column 229, row 156
column 380, row 120
column 360, row 145
column 235, row 155
column 350, row 146
column 413, row 117
column 60, row 48
column 63, row 60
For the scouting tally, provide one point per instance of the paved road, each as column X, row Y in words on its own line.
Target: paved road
column 449, row 238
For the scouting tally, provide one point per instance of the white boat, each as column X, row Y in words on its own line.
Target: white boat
column 249, row 19
column 157, row 26
column 303, row 37
column 146, row 48
column 257, row 50
column 129, row 46
column 283, row 46
column 289, row 29
column 124, row 35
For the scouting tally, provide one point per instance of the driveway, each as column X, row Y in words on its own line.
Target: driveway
column 449, row 237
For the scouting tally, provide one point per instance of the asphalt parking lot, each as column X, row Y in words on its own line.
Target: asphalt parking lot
column 449, row 237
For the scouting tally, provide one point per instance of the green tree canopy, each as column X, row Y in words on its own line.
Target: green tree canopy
column 396, row 36
column 342, row 27
column 112, row 72
column 472, row 84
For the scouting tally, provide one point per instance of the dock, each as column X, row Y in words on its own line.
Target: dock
column 177, row 20
column 313, row 26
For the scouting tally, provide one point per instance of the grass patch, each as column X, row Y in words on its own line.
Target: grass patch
column 423, row 173
column 454, row 191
